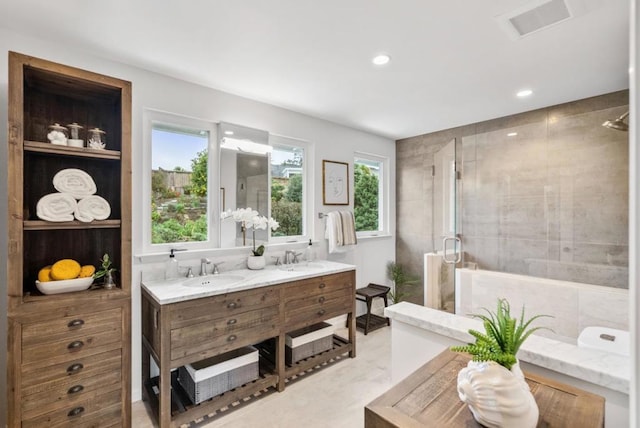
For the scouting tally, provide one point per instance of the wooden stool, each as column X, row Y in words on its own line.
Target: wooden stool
column 369, row 322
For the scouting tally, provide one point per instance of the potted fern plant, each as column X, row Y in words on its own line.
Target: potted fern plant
column 492, row 384
column 402, row 282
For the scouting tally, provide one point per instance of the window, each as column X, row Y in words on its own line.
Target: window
column 289, row 190
column 370, row 198
column 179, row 208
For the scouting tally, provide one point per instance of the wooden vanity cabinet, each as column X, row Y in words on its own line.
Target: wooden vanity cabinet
column 181, row 333
column 69, row 357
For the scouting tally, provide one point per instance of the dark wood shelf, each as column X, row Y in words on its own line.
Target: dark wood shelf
column 35, row 146
column 48, row 225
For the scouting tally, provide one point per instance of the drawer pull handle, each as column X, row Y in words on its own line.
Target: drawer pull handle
column 321, row 299
column 232, row 321
column 75, row 389
column 76, row 411
column 232, row 305
column 232, row 338
column 322, row 285
column 76, row 344
column 73, row 368
column 75, row 323
column 322, row 312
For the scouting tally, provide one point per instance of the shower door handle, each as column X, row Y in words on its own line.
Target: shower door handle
column 457, row 255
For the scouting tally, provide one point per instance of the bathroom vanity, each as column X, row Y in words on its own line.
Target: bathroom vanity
column 188, row 320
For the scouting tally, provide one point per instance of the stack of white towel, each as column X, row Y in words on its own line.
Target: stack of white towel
column 340, row 231
column 75, row 198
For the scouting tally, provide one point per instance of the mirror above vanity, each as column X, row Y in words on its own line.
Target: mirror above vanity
column 244, row 180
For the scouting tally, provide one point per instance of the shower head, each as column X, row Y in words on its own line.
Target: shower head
column 618, row 123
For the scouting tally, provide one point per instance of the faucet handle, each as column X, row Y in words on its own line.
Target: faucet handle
column 277, row 259
column 215, row 270
column 295, row 256
column 190, row 273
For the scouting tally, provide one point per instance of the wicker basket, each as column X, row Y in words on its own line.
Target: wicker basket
column 308, row 341
column 215, row 375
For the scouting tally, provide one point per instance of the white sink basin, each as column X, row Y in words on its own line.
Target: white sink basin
column 212, row 280
column 302, row 267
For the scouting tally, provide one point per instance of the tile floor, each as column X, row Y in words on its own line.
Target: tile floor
column 332, row 397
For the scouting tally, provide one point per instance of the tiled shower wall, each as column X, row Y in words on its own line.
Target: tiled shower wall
column 550, row 202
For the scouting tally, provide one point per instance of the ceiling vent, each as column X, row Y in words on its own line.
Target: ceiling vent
column 534, row 16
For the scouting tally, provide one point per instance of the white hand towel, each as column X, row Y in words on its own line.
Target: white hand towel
column 75, row 182
column 56, row 207
column 340, row 231
column 91, row 208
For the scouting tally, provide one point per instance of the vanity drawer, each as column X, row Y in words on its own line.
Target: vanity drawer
column 65, row 394
column 217, row 336
column 72, row 346
column 222, row 306
column 36, row 378
column 320, row 285
column 94, row 410
column 312, row 309
column 70, row 325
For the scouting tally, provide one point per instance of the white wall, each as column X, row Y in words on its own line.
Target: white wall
column 151, row 90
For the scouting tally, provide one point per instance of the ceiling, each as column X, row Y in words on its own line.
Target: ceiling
column 451, row 63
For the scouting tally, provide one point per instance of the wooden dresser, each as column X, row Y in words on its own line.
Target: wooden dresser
column 181, row 333
column 69, row 357
column 429, row 397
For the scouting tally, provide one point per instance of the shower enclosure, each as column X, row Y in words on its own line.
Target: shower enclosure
column 543, row 194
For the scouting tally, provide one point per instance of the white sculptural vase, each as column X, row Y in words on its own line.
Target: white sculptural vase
column 256, row 262
column 497, row 397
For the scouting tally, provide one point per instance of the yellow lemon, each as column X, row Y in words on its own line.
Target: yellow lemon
column 86, row 271
column 45, row 274
column 65, row 269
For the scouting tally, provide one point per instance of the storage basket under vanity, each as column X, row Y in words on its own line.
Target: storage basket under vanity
column 207, row 378
column 308, row 341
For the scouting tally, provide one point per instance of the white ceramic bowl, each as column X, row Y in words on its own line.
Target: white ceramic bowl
column 64, row 286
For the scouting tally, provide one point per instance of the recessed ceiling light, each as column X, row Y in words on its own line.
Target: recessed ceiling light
column 381, row 59
column 524, row 93
column 512, row 134
column 228, row 132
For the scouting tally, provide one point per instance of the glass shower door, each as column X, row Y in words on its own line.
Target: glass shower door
column 440, row 265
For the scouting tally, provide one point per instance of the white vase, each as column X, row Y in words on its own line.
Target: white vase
column 497, row 397
column 256, row 262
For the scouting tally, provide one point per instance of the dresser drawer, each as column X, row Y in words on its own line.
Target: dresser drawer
column 70, row 325
column 65, row 394
column 217, row 336
column 37, row 378
column 223, row 306
column 96, row 410
column 74, row 345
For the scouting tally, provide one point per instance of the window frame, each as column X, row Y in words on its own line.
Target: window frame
column 383, row 189
column 307, row 187
column 150, row 118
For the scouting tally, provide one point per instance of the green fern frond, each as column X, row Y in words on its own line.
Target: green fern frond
column 502, row 337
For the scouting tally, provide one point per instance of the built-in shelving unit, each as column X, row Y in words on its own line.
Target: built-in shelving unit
column 76, row 345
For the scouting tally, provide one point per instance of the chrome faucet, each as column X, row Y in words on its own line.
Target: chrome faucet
column 203, row 266
column 215, row 270
column 290, row 257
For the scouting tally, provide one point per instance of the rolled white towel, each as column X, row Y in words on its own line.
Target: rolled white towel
column 56, row 207
column 91, row 208
column 75, row 182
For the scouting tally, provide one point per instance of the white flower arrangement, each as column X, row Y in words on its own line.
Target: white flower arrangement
column 250, row 218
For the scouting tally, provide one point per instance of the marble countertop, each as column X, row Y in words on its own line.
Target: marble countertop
column 601, row 368
column 177, row 290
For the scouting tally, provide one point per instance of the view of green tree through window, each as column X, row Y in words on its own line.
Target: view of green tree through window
column 178, row 184
column 287, row 167
column 367, row 194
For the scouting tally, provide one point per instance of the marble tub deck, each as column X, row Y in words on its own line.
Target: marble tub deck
column 600, row 368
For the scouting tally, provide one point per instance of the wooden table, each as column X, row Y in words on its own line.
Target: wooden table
column 429, row 398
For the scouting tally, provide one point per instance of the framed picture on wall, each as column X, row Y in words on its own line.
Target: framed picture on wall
column 335, row 183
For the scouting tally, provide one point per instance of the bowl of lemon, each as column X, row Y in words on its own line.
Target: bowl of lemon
column 64, row 276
